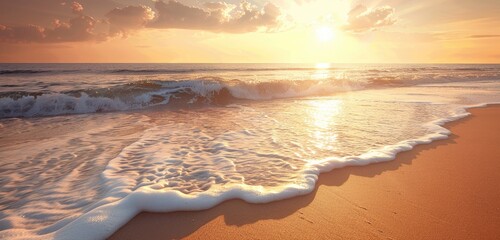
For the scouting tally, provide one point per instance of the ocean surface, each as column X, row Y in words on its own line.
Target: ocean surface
column 85, row 147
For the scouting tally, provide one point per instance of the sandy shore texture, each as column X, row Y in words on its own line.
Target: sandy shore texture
column 449, row 189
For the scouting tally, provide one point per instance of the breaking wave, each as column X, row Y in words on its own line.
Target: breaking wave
column 144, row 94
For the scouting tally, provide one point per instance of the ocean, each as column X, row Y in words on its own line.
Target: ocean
column 85, row 147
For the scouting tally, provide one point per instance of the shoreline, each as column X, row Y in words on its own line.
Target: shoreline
column 430, row 196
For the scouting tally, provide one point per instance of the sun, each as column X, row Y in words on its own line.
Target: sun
column 324, row 34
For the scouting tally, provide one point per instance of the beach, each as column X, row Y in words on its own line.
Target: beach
column 311, row 119
column 444, row 190
column 265, row 150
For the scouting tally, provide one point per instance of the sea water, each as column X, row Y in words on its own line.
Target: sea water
column 85, row 147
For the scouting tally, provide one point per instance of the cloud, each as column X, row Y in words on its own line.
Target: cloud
column 404, row 37
column 127, row 19
column 77, row 8
column 28, row 33
column 361, row 18
column 122, row 21
column 485, row 36
column 217, row 17
column 78, row 28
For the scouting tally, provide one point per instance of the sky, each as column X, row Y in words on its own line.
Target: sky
column 251, row 31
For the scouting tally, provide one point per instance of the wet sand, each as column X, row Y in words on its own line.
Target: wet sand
column 445, row 190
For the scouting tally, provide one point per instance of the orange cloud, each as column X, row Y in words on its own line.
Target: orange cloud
column 124, row 20
column 77, row 29
column 217, row 17
column 28, row 33
column 77, row 7
column 361, row 19
column 485, row 36
column 121, row 21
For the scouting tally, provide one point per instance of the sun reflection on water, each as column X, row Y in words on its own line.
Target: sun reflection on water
column 324, row 117
column 322, row 71
column 322, row 65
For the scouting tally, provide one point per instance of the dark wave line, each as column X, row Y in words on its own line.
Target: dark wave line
column 30, row 71
column 132, row 71
column 23, row 71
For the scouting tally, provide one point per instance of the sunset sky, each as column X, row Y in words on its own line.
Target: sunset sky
column 308, row 31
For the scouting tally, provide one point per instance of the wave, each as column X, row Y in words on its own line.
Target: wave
column 259, row 69
column 156, row 71
column 22, row 71
column 175, row 94
column 219, row 70
column 123, row 70
column 473, row 69
column 34, row 72
column 151, row 71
